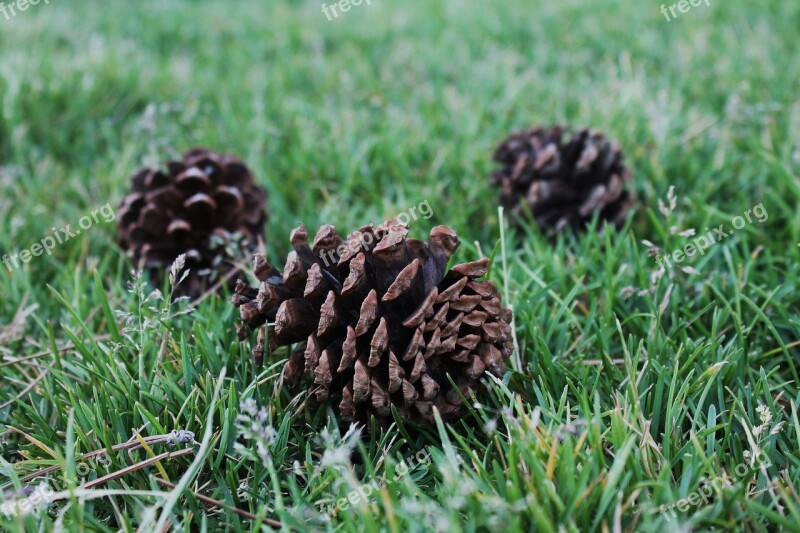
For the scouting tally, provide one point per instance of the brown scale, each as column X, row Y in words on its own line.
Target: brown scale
column 176, row 212
column 380, row 320
column 562, row 184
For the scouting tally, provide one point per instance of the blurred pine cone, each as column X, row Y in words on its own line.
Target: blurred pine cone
column 562, row 185
column 201, row 206
column 381, row 321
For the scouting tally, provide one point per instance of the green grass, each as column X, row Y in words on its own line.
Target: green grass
column 631, row 391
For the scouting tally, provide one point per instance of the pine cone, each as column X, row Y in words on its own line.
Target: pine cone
column 380, row 320
column 198, row 207
column 562, row 185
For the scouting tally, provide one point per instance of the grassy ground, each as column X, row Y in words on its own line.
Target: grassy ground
column 635, row 392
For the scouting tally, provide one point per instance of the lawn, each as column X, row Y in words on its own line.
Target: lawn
column 637, row 400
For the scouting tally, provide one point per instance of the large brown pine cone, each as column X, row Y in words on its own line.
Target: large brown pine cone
column 380, row 320
column 562, row 185
column 201, row 206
